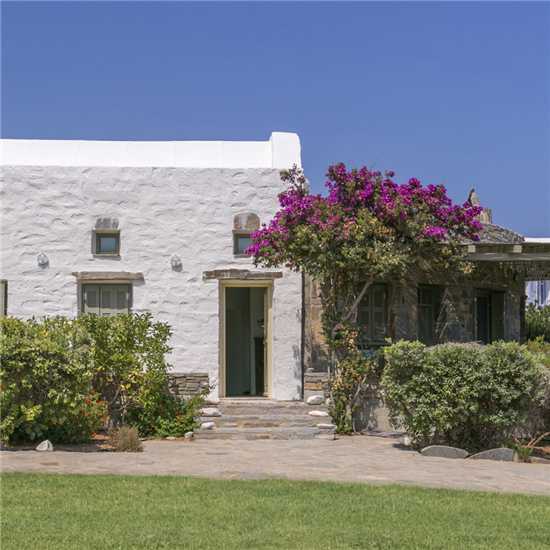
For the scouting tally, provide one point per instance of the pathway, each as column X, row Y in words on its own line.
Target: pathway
column 350, row 459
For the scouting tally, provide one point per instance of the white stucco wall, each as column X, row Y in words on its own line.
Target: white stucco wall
column 162, row 211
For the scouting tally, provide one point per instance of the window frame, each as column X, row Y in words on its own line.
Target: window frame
column 237, row 234
column 106, row 283
column 98, row 234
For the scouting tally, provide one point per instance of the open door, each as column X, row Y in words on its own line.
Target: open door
column 245, row 341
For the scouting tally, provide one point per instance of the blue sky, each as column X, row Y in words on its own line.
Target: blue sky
column 447, row 92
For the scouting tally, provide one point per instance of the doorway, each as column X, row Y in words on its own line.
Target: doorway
column 245, row 341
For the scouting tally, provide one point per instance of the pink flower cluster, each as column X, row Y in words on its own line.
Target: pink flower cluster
column 407, row 211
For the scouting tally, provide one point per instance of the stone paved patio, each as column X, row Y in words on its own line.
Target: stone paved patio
column 352, row 459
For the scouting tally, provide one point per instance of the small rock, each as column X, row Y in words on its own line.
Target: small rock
column 318, row 413
column 315, row 400
column 329, row 437
column 189, row 435
column 495, row 454
column 444, row 452
column 171, row 438
column 538, row 460
column 327, row 402
column 213, row 400
column 407, row 441
column 210, row 412
column 45, row 446
column 327, row 426
column 207, row 426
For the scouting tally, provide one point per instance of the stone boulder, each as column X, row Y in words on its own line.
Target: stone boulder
column 443, row 451
column 45, row 447
column 315, row 400
column 210, row 411
column 506, row 455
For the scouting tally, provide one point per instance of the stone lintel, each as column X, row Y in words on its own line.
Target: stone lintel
column 242, row 274
column 107, row 276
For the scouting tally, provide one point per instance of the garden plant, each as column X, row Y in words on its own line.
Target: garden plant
column 61, row 378
column 367, row 227
column 463, row 395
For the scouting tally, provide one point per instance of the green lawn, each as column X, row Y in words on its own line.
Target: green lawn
column 46, row 511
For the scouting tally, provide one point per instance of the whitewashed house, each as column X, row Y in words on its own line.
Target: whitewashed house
column 108, row 227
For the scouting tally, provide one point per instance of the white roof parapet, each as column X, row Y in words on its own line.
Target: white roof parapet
column 540, row 240
column 281, row 151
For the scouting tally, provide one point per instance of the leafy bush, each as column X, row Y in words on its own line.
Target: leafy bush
column 541, row 349
column 461, row 394
column 58, row 377
column 537, row 322
column 172, row 416
column 125, row 440
column 130, row 369
column 82, row 421
column 44, row 367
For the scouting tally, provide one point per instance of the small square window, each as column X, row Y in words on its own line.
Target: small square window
column 242, row 242
column 107, row 244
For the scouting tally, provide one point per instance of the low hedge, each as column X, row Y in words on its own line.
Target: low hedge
column 463, row 395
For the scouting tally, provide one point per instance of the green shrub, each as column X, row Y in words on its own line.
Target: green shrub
column 52, row 371
column 46, row 372
column 125, row 440
column 130, row 369
column 537, row 322
column 82, row 421
column 541, row 349
column 460, row 394
column 172, row 416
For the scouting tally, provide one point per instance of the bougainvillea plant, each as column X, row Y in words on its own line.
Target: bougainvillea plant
column 365, row 228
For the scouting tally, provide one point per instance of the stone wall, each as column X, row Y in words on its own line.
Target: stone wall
column 187, row 384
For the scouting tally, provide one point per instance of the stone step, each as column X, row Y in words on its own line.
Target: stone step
column 264, row 420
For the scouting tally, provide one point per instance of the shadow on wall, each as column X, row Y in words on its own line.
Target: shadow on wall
column 372, row 414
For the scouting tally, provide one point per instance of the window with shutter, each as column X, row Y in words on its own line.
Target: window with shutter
column 372, row 315
column 106, row 300
column 429, row 307
column 489, row 316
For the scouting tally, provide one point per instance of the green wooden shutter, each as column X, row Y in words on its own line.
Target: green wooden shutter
column 3, row 298
column 107, row 301
column 497, row 316
column 378, row 313
column 90, row 299
column 121, row 299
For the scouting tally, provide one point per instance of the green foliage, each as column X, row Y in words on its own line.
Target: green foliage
column 171, row 416
column 464, row 395
column 537, row 322
column 58, row 377
column 125, row 440
column 348, row 376
column 541, row 349
column 46, row 373
column 523, row 453
column 130, row 369
column 81, row 424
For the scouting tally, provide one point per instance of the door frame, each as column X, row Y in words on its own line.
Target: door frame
column 268, row 285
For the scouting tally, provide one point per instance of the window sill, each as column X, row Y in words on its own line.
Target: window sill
column 106, row 255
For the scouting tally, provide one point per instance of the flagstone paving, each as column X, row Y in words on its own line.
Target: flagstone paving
column 350, row 459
